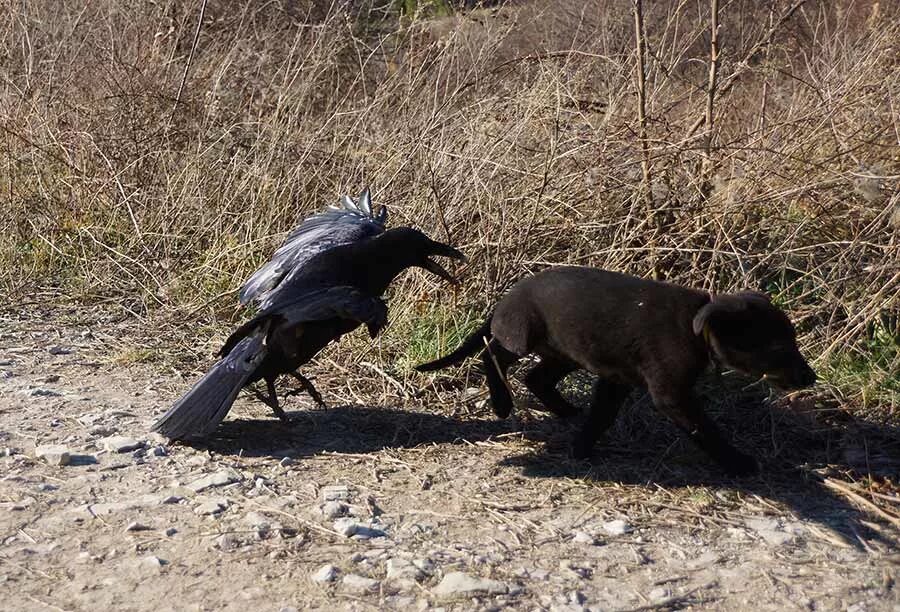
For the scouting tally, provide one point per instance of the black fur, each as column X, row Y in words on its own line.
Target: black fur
column 333, row 293
column 632, row 332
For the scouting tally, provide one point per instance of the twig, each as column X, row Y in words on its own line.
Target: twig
column 711, row 86
column 190, row 61
column 641, row 45
column 839, row 486
column 729, row 81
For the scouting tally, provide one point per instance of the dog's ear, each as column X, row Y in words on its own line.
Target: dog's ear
column 728, row 303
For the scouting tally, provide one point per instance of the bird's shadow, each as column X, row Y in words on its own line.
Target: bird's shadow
column 793, row 446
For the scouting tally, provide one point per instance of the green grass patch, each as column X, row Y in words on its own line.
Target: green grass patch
column 869, row 370
column 435, row 332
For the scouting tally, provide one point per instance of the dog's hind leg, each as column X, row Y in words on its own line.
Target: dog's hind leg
column 542, row 380
column 496, row 361
column 605, row 405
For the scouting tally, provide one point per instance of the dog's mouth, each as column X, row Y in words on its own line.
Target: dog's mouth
column 791, row 381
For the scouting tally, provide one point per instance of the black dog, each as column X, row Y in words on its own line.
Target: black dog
column 633, row 332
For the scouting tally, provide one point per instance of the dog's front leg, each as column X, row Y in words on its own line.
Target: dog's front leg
column 683, row 409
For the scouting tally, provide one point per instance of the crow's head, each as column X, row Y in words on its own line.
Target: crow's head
column 408, row 247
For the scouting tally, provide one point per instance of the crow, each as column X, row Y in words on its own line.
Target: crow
column 324, row 281
column 632, row 332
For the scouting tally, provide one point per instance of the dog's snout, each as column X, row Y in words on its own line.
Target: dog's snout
column 807, row 376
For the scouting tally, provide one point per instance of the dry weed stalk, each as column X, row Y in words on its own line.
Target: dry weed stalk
column 513, row 135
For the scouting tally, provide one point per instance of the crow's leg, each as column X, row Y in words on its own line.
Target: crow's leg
column 309, row 388
column 272, row 400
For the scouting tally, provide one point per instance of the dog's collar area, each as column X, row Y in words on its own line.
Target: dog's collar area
column 717, row 367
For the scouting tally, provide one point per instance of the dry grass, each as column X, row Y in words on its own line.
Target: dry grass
column 137, row 177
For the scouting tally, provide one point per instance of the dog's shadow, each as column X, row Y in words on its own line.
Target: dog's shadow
column 796, row 450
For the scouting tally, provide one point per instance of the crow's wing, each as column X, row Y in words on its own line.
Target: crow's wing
column 338, row 302
column 323, row 231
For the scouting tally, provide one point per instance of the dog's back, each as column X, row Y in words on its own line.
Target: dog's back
column 610, row 323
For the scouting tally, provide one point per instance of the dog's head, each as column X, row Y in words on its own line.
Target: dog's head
column 746, row 332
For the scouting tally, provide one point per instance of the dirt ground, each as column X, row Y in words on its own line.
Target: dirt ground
column 429, row 490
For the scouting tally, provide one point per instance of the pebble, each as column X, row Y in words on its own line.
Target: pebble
column 170, row 532
column 460, row 583
column 398, row 568
column 359, row 584
column 153, row 563
column 257, row 521
column 617, row 527
column 213, row 506
column 770, row 531
column 120, row 444
column 41, row 392
column 171, row 499
column 335, row 493
column 135, row 526
column 583, row 538
column 326, row 573
column 334, row 509
column 217, row 479
column 53, row 454
column 59, row 350
column 227, row 542
column 348, row 527
column 658, row 594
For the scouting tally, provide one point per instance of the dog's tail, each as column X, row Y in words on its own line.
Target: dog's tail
column 203, row 407
column 470, row 346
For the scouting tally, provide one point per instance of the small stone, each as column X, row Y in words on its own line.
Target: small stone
column 135, row 526
column 257, row 521
column 214, row 506
column 334, row 509
column 617, row 527
column 120, row 444
column 53, row 454
column 170, row 532
column 7, row 451
column 398, row 568
column 59, row 350
column 171, row 499
column 462, row 584
column 658, row 594
column 159, row 451
column 153, row 563
column 359, row 584
column 770, row 531
column 335, row 493
column 217, row 479
column 576, row 597
column 227, row 542
column 349, row 528
column 326, row 573
column 288, row 609
column 41, row 392
column 285, row 461
column 583, row 538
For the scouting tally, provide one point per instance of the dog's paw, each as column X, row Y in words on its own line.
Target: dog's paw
column 740, row 464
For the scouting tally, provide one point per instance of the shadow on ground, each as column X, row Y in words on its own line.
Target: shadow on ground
column 795, row 447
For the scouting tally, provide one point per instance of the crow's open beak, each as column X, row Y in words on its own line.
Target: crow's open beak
column 443, row 250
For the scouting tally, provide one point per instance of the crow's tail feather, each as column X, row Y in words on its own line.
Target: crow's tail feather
column 202, row 408
column 470, row 346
